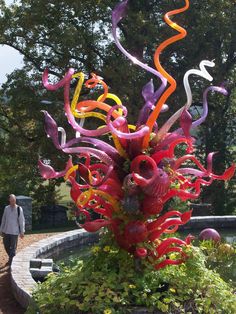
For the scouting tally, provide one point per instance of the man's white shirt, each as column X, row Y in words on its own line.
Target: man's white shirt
column 11, row 223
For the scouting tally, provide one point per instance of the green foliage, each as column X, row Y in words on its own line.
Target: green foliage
column 109, row 281
column 22, row 142
column 221, row 257
column 179, row 205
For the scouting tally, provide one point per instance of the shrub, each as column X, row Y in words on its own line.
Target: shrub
column 109, row 281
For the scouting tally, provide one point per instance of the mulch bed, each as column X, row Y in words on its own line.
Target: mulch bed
column 8, row 304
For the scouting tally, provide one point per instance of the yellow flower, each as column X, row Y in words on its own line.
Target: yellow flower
column 107, row 248
column 107, row 311
column 172, row 290
column 95, row 249
column 132, row 286
column 173, row 256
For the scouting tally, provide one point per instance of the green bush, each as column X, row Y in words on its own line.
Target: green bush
column 221, row 256
column 109, row 281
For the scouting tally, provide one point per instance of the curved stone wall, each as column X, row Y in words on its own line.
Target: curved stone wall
column 216, row 222
column 21, row 280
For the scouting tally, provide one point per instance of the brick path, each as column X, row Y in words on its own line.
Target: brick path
column 8, row 304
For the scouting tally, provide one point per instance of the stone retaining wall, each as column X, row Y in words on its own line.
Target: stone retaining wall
column 21, row 279
column 216, row 222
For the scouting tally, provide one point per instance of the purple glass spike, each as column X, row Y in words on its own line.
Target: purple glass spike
column 51, row 129
column 186, row 122
column 119, row 12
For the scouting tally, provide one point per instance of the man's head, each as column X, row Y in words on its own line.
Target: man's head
column 12, row 199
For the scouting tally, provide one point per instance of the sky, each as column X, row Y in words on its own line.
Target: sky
column 10, row 59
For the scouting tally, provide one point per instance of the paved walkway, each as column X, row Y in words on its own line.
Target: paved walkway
column 8, row 304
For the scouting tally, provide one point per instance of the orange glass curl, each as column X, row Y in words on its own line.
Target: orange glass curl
column 182, row 33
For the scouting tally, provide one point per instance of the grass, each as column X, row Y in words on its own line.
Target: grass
column 64, row 193
column 64, row 200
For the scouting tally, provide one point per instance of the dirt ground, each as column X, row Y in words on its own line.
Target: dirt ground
column 8, row 305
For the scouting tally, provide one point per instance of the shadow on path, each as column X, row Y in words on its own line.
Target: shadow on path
column 8, row 304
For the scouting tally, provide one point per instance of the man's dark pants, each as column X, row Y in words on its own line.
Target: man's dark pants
column 10, row 244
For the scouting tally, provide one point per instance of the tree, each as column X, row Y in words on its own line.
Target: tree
column 62, row 34
column 22, row 140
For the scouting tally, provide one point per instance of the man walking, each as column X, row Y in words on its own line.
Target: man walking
column 13, row 225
